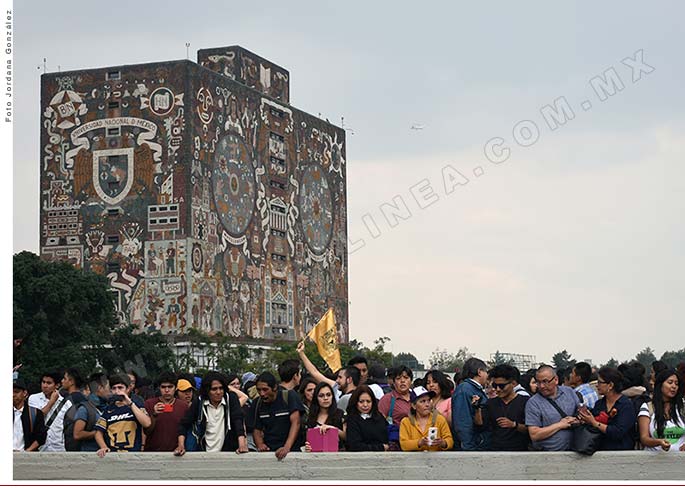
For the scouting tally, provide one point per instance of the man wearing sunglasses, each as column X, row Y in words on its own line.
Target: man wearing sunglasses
column 507, row 412
column 548, row 428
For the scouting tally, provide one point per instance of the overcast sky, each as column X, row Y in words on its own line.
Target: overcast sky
column 574, row 242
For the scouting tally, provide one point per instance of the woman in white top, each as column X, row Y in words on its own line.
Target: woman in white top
column 662, row 421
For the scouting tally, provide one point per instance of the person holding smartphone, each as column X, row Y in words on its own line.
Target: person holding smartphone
column 167, row 412
column 120, row 428
column 424, row 428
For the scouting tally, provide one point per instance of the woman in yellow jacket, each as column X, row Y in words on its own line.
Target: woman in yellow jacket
column 415, row 430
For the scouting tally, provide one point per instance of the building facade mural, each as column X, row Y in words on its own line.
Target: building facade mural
column 204, row 197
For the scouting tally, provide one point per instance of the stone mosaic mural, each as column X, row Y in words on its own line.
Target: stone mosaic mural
column 206, row 200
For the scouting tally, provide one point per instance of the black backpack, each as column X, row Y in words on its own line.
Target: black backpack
column 70, row 444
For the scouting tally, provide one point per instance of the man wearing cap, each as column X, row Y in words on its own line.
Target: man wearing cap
column 424, row 428
column 185, row 391
column 29, row 423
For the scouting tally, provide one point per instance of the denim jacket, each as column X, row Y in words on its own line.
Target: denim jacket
column 471, row 437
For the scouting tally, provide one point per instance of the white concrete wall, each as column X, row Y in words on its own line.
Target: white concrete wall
column 353, row 466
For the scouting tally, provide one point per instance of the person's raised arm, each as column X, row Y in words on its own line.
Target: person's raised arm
column 309, row 366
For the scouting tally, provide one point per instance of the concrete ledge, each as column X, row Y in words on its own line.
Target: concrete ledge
column 635, row 465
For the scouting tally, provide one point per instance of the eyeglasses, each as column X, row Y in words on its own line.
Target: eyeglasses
column 499, row 386
column 546, row 381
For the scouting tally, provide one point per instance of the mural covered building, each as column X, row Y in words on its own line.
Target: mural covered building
column 204, row 197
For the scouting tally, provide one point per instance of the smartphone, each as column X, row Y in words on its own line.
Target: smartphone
column 168, row 408
column 116, row 398
column 432, row 434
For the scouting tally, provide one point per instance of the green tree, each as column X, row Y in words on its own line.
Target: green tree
column 64, row 315
column 499, row 359
column 673, row 358
column 448, row 362
column 562, row 359
column 145, row 354
column 646, row 357
column 612, row 362
column 407, row 359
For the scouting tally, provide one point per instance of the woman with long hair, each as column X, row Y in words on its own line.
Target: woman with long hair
column 424, row 428
column 367, row 429
column 437, row 382
column 307, row 386
column 324, row 414
column 613, row 414
column 662, row 421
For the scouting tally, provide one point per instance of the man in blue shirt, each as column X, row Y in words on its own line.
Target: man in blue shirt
column 468, row 398
column 548, row 429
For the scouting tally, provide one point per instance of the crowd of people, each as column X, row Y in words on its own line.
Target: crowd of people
column 361, row 408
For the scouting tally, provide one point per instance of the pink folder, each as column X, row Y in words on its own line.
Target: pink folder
column 327, row 442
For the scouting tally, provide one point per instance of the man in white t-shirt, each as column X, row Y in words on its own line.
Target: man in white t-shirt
column 53, row 406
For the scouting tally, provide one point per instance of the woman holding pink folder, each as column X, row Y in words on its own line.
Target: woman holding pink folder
column 325, row 415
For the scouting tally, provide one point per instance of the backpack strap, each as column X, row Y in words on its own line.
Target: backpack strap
column 392, row 408
column 55, row 413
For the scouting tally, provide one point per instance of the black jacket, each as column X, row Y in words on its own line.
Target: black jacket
column 232, row 412
column 366, row 435
column 34, row 429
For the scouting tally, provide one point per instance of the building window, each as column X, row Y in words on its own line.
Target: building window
column 113, row 212
column 277, row 257
column 113, row 105
column 113, row 239
column 276, row 112
column 277, row 233
column 113, row 75
column 113, row 267
column 113, row 131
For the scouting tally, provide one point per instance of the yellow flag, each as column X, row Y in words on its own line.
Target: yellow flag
column 325, row 334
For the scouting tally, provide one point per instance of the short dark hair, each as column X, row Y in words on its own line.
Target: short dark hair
column 75, row 375
column 658, row 366
column 357, row 359
column 166, row 378
column 119, row 379
column 207, row 380
column 268, row 378
column 612, row 375
column 55, row 376
column 288, row 369
column 377, row 373
column 641, row 368
column 632, row 376
column 503, row 371
column 390, row 372
column 403, row 369
column 584, row 371
column 97, row 379
column 354, row 373
column 471, row 368
column 517, row 374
